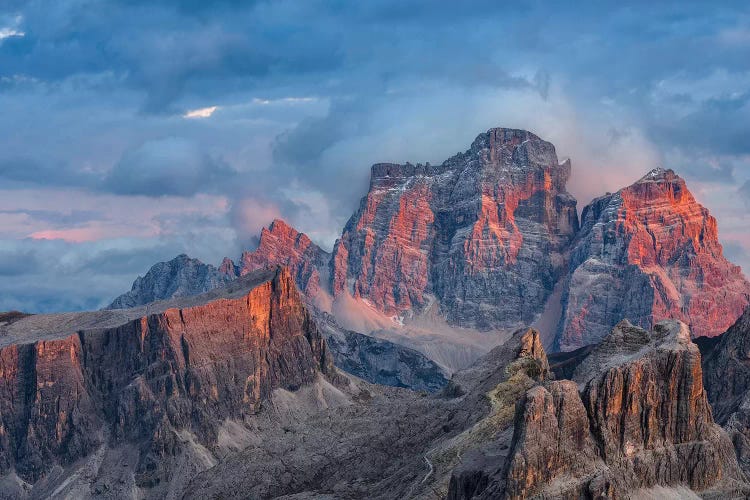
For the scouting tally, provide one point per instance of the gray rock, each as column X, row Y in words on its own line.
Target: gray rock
column 380, row 361
column 179, row 277
column 488, row 223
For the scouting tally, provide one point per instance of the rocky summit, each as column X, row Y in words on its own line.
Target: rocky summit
column 282, row 245
column 450, row 259
column 646, row 253
column 490, row 222
column 180, row 277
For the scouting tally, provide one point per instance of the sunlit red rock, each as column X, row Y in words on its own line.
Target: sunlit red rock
column 282, row 245
column 70, row 383
column 646, row 253
column 484, row 233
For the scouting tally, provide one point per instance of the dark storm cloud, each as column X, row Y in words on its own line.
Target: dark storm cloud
column 309, row 93
column 166, row 167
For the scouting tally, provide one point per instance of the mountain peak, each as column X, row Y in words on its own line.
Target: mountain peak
column 654, row 237
column 660, row 174
column 282, row 245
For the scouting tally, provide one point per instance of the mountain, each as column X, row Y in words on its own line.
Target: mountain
column 282, row 245
column 490, row 222
column 180, row 277
column 376, row 360
column 505, row 429
column 449, row 260
column 648, row 252
column 137, row 397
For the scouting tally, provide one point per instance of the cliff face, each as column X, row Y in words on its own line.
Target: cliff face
column 490, row 222
column 282, row 245
column 726, row 368
column 179, row 277
column 151, row 375
column 635, row 417
column 646, row 253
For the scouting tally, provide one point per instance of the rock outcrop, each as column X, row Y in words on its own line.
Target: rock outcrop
column 179, row 277
column 649, row 252
column 162, row 378
column 380, row 361
column 282, row 245
column 726, row 368
column 641, row 420
column 491, row 222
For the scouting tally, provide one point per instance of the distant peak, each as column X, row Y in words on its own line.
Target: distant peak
column 511, row 132
column 501, row 135
column 659, row 174
column 280, row 225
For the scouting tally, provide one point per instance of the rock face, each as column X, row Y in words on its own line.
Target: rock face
column 376, row 360
column 282, row 245
column 180, row 277
column 491, row 222
column 150, row 377
column 649, row 252
column 642, row 420
column 727, row 376
column 379, row 361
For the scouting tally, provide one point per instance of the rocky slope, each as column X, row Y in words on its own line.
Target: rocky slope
column 379, row 361
column 490, row 222
column 634, row 418
column 635, row 423
column 231, row 396
column 646, row 253
column 135, row 400
column 180, row 277
column 726, row 366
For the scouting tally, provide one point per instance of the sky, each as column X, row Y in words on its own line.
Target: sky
column 136, row 130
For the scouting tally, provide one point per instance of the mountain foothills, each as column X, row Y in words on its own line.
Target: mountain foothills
column 232, row 394
column 297, row 373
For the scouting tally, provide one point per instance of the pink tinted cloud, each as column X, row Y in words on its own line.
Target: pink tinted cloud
column 121, row 216
column 74, row 235
column 250, row 215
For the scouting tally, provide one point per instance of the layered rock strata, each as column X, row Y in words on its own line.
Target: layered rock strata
column 635, row 417
column 646, row 253
column 491, row 222
column 73, row 384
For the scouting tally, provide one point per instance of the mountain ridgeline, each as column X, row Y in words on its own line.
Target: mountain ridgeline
column 241, row 381
column 490, row 241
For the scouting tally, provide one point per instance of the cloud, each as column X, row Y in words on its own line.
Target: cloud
column 163, row 167
column 306, row 95
column 249, row 216
column 10, row 32
column 744, row 191
column 200, row 112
